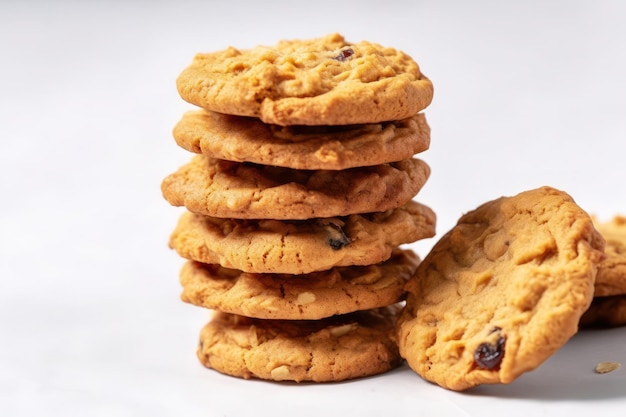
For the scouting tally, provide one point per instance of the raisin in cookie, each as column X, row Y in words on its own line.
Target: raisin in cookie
column 242, row 190
column 611, row 279
column 246, row 139
column 298, row 297
column 334, row 349
column 322, row 81
column 501, row 291
column 302, row 246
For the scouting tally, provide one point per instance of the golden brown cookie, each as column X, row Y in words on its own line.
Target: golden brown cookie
column 334, row 349
column 608, row 311
column 322, row 81
column 301, row 246
column 227, row 189
column 611, row 278
column 246, row 139
column 298, row 297
column 501, row 291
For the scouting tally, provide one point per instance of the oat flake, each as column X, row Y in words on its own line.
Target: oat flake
column 606, row 367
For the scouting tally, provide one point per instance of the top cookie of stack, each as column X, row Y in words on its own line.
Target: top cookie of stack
column 298, row 200
column 325, row 81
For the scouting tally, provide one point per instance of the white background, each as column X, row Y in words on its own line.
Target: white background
column 526, row 94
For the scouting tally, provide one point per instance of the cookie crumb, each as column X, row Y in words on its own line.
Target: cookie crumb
column 606, row 367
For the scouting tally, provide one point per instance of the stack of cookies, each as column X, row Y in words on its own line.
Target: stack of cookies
column 299, row 198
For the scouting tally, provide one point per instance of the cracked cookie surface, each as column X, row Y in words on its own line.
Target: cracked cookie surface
column 246, row 139
column 334, row 349
column 501, row 291
column 303, row 246
column 228, row 189
column 311, row 296
column 321, row 81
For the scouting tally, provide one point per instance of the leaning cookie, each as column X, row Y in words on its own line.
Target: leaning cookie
column 246, row 139
column 322, row 81
column 298, row 297
column 609, row 311
column 611, row 279
column 302, row 246
column 334, row 349
column 228, row 189
column 501, row 291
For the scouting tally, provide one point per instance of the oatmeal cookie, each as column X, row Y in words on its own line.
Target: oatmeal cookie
column 311, row 296
column 334, row 349
column 228, row 189
column 501, row 291
column 247, row 139
column 321, row 81
column 301, row 246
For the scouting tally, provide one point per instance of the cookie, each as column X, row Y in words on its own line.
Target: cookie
column 298, row 297
column 228, row 189
column 321, row 81
column 301, row 246
column 611, row 278
column 501, row 291
column 608, row 311
column 247, row 139
column 334, row 349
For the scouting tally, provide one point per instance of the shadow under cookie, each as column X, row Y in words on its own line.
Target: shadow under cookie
column 607, row 311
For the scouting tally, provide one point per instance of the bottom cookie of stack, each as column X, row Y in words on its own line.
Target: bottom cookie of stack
column 337, row 348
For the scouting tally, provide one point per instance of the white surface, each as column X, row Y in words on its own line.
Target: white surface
column 90, row 319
